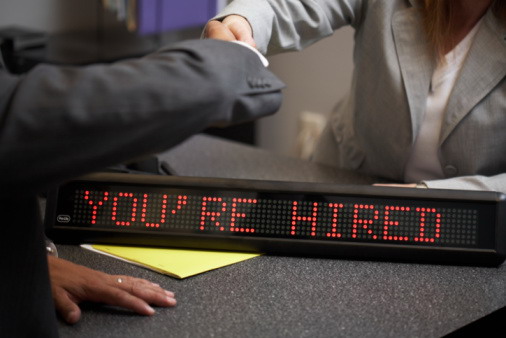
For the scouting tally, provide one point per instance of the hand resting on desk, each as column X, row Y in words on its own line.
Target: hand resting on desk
column 72, row 284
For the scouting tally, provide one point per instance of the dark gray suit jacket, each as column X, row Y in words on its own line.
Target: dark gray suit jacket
column 59, row 122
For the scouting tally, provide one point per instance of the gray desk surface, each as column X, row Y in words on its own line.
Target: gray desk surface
column 272, row 296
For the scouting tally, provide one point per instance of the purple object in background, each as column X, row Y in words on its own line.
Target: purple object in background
column 156, row 16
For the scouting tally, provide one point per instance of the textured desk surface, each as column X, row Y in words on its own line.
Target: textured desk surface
column 273, row 296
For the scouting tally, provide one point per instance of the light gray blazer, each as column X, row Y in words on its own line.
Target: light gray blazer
column 374, row 128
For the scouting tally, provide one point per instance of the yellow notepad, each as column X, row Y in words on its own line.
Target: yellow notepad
column 178, row 263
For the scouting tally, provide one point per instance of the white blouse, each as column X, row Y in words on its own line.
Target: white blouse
column 424, row 163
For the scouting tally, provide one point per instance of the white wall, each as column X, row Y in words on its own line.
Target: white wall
column 316, row 78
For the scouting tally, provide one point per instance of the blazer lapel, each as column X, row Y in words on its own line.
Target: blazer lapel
column 415, row 61
column 484, row 67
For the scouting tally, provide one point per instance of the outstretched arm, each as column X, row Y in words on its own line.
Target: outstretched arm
column 60, row 122
column 275, row 26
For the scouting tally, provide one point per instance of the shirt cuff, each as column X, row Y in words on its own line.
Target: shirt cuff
column 264, row 60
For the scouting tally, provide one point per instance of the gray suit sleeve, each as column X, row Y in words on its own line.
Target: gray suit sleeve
column 285, row 25
column 58, row 122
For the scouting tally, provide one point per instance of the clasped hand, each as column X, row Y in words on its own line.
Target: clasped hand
column 232, row 28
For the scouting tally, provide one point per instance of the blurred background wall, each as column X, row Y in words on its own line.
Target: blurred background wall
column 50, row 15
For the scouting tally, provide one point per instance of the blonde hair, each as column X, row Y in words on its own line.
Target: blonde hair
column 439, row 21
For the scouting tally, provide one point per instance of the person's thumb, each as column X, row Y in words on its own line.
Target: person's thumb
column 240, row 28
column 217, row 30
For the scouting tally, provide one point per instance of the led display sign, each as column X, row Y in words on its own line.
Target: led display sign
column 281, row 218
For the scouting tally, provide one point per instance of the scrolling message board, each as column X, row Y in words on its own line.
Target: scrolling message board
column 417, row 225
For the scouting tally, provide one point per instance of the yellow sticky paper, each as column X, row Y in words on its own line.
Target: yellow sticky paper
column 179, row 263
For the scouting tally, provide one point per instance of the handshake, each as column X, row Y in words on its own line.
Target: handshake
column 232, row 28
